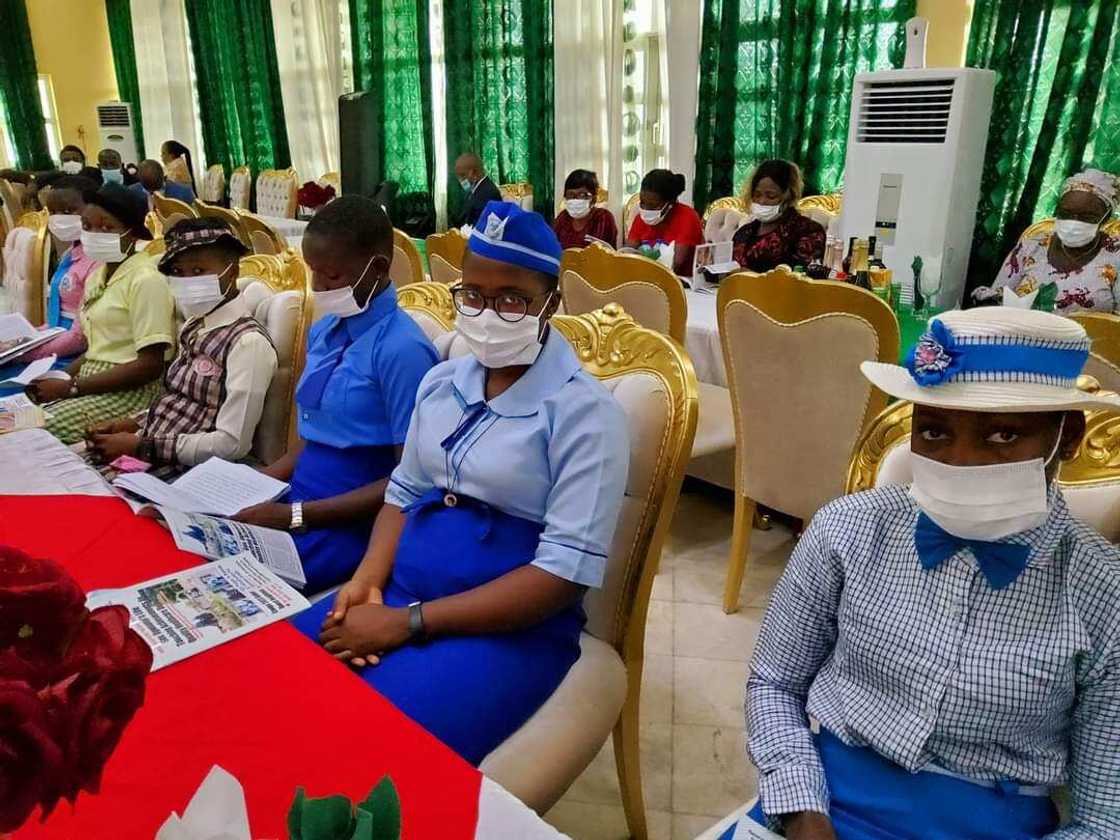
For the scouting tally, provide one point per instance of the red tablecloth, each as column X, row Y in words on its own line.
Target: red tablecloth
column 272, row 708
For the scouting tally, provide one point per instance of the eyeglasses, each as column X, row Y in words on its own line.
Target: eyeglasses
column 509, row 306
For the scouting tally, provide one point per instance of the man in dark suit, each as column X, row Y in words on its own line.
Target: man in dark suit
column 152, row 181
column 478, row 186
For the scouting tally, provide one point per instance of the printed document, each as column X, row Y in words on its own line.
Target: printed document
column 36, row 463
column 17, row 336
column 215, row 487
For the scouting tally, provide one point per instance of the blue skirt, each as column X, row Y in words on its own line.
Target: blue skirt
column 330, row 555
column 471, row 692
column 875, row 799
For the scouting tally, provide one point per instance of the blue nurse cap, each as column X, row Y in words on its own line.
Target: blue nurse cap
column 508, row 234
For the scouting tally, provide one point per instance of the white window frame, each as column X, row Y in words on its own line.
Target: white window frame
column 50, row 114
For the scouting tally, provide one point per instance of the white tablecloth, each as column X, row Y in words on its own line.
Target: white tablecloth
column 291, row 229
column 701, row 338
column 36, row 463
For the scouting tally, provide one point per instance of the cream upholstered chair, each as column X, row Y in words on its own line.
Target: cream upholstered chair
column 798, row 402
column 594, row 276
column 12, row 202
column 407, row 267
column 445, row 255
column 214, row 184
column 652, row 378
column 230, row 217
column 721, row 224
column 27, row 266
column 334, row 179
column 629, row 213
column 263, row 238
column 520, row 193
column 276, row 193
column 171, row 211
column 1104, row 357
column 277, row 291
column 729, row 202
column 430, row 305
column 823, row 209
column 240, row 188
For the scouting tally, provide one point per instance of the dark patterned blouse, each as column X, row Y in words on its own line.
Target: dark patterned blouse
column 794, row 240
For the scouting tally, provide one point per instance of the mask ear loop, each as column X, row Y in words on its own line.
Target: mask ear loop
column 1057, row 443
column 544, row 323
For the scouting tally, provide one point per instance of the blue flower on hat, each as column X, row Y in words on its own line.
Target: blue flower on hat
column 936, row 357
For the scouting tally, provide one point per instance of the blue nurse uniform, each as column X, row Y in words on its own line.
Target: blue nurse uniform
column 354, row 400
column 539, row 474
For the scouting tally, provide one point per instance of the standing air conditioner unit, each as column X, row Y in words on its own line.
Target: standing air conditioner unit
column 912, row 174
column 114, row 123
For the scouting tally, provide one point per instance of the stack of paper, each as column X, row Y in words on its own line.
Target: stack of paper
column 34, row 462
column 17, row 336
column 216, row 487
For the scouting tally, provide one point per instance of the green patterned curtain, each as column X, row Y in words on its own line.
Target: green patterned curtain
column 1056, row 111
column 776, row 81
column 119, row 13
column 19, row 89
column 498, row 55
column 392, row 57
column 238, row 83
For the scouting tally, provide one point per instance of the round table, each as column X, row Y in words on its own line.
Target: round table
column 291, row 229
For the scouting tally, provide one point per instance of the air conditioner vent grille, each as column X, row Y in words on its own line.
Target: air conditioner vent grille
column 905, row 111
column 114, row 116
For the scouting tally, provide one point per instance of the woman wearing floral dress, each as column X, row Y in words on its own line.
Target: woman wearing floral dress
column 1072, row 268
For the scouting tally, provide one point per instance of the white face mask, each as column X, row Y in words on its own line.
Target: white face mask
column 577, row 207
column 103, row 247
column 1075, row 233
column 66, row 226
column 71, row 167
column 765, row 212
column 983, row 503
column 197, row 295
column 497, row 343
column 653, row 217
column 341, row 302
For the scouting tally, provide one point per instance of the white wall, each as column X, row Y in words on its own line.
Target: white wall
column 682, row 37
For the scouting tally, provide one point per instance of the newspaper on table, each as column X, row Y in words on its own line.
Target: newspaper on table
column 215, row 487
column 17, row 336
column 218, row 539
column 33, row 462
column 17, row 412
column 748, row 829
column 189, row 612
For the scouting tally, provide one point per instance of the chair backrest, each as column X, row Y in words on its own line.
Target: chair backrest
column 214, row 184
column 1090, row 480
column 629, row 213
column 520, row 193
column 822, row 209
column 27, row 266
column 12, row 202
column 169, row 211
column 407, row 267
column 334, row 179
column 449, row 247
column 730, row 202
column 277, row 193
column 263, row 238
column 430, row 306
column 1103, row 363
column 240, row 188
column 594, row 276
column 230, row 217
column 277, row 291
column 1111, row 227
column 721, row 224
column 792, row 349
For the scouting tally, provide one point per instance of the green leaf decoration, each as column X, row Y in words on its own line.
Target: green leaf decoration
column 1047, row 297
column 295, row 815
column 384, row 807
column 327, row 818
column 363, row 825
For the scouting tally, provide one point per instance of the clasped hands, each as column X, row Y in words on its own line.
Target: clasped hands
column 360, row 629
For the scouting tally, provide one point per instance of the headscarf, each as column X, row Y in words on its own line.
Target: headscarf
column 1103, row 185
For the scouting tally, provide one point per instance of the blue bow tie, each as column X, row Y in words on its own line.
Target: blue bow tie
column 999, row 562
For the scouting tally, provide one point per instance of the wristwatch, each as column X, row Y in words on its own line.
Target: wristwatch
column 296, row 526
column 146, row 450
column 416, row 629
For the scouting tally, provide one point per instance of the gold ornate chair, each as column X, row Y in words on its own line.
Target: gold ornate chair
column 1112, row 226
column 730, row 202
column 629, row 213
column 407, row 267
column 240, row 188
column 798, row 402
column 822, row 209
column 1090, row 480
column 520, row 193
column 720, row 223
column 276, row 288
column 214, row 184
column 27, row 251
column 334, row 179
column 171, row 211
column 430, row 305
column 445, row 255
column 276, row 193
column 12, row 202
column 1104, row 357
column 230, row 217
column 594, row 276
column 263, row 238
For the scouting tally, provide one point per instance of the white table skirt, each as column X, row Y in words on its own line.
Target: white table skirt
column 291, row 229
column 701, row 338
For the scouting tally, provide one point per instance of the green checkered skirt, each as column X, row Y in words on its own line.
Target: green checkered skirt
column 69, row 419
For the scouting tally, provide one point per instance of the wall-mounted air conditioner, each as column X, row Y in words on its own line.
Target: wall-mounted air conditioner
column 115, row 127
column 912, row 175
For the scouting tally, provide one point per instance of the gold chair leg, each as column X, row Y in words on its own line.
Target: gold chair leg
column 628, row 763
column 761, row 520
column 745, row 510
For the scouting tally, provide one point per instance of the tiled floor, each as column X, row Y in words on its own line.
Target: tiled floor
column 694, row 765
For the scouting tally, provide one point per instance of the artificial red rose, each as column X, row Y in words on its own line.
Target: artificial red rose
column 41, row 606
column 100, row 686
column 31, row 763
column 314, row 194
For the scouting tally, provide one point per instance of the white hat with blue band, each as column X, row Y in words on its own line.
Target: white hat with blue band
column 994, row 359
column 508, row 234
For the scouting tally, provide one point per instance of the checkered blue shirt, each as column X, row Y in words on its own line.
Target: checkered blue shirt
column 936, row 667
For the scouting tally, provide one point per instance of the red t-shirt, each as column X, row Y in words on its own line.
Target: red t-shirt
column 600, row 225
column 682, row 226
